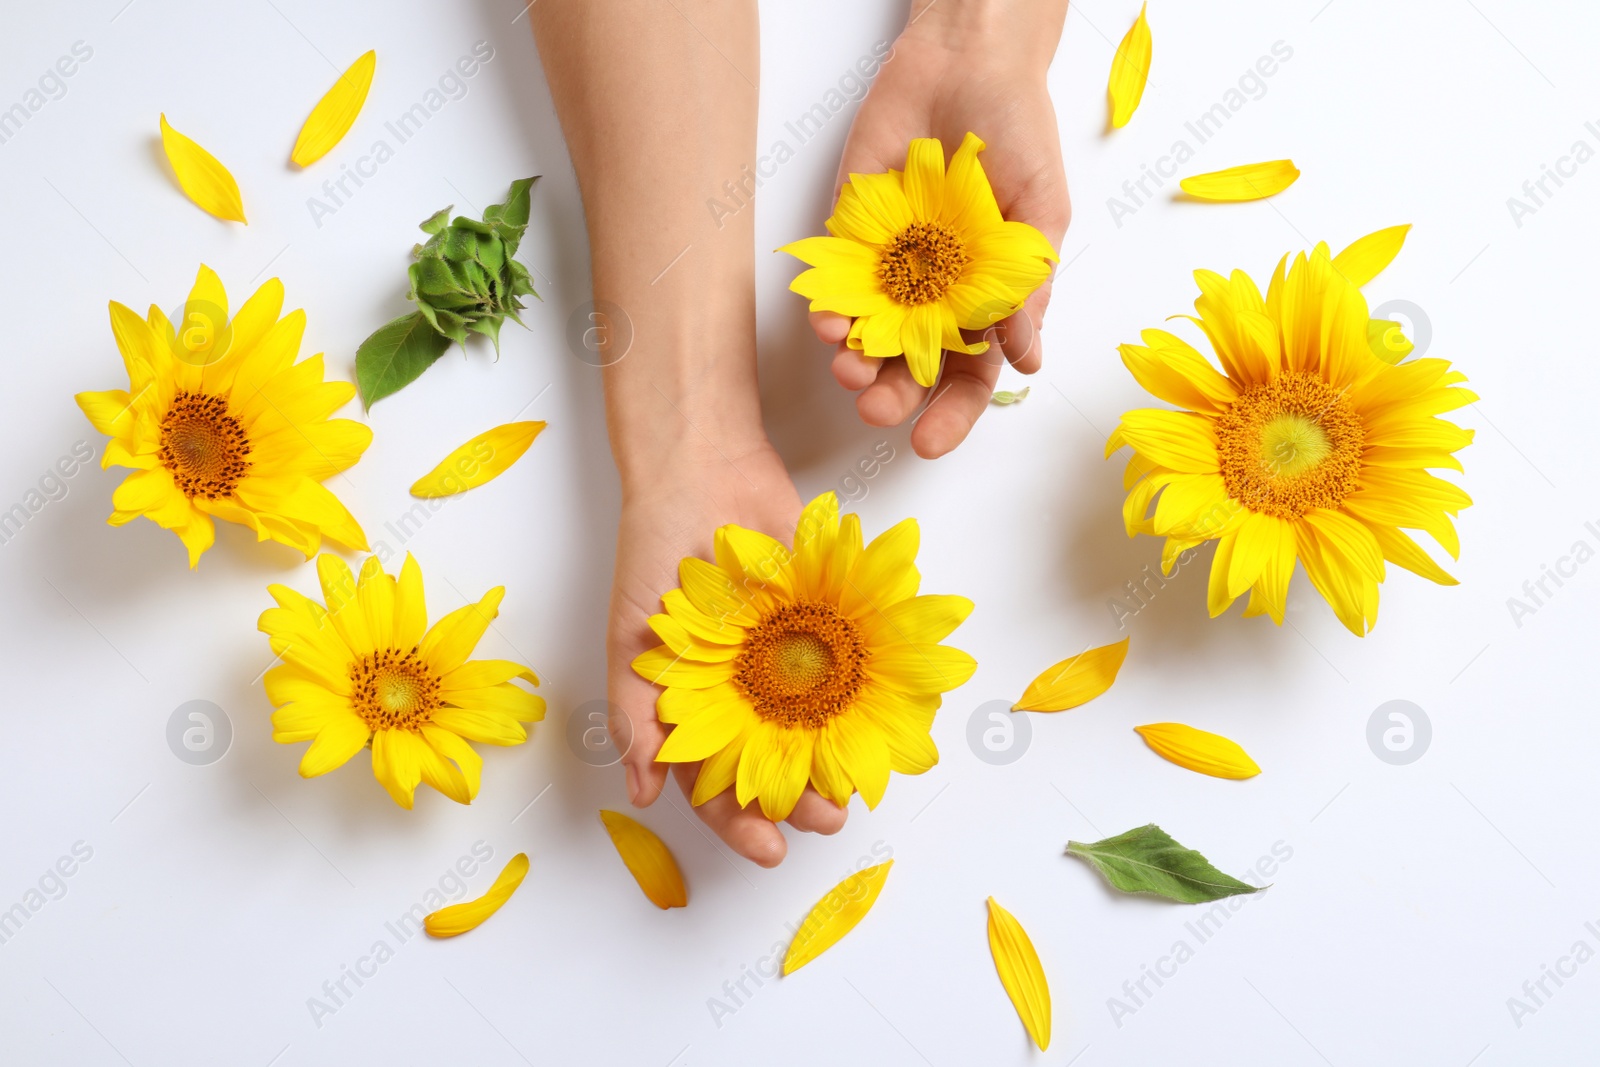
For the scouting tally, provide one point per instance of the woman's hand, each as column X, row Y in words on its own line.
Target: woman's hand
column 960, row 66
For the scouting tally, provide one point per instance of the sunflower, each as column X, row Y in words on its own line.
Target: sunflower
column 1312, row 443
column 819, row 665
column 919, row 256
column 220, row 422
column 366, row 670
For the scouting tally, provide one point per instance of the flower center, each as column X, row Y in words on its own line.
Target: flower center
column 203, row 446
column 921, row 262
column 393, row 688
column 801, row 665
column 1290, row 445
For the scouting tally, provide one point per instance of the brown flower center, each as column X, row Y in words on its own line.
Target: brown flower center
column 1290, row 445
column 392, row 688
column 203, row 446
column 802, row 664
column 921, row 262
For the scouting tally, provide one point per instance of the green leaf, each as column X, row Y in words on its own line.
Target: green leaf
column 395, row 355
column 1148, row 860
column 510, row 219
column 1005, row 398
column 437, row 221
column 489, row 326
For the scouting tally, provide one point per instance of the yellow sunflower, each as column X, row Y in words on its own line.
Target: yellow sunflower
column 366, row 670
column 220, row 422
column 819, row 665
column 1307, row 445
column 919, row 256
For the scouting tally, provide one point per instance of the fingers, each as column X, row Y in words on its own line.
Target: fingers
column 830, row 327
column 1019, row 334
column 638, row 735
column 745, row 830
column 853, row 370
column 816, row 814
column 892, row 398
column 960, row 399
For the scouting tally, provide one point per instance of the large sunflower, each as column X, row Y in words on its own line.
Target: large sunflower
column 819, row 665
column 919, row 256
column 366, row 670
column 1311, row 444
column 220, row 422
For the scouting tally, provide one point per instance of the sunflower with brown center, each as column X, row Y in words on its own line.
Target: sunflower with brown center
column 1312, row 443
column 220, row 422
column 818, row 664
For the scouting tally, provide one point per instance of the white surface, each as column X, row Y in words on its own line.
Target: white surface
column 219, row 898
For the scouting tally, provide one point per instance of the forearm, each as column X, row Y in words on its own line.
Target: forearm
column 1028, row 30
column 657, row 101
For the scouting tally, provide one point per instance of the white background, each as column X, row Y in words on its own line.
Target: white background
column 219, row 898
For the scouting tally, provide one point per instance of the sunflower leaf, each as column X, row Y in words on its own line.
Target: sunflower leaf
column 1148, row 860
column 395, row 355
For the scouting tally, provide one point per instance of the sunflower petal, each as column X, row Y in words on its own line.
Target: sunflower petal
column 835, row 915
column 481, row 459
column 1020, row 972
column 1252, row 181
column 1074, row 681
column 1130, row 68
column 1368, row 255
column 201, row 177
column 648, row 860
column 1205, row 753
column 335, row 113
column 470, row 914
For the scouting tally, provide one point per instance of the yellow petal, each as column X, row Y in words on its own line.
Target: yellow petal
column 1198, row 750
column 203, row 179
column 1253, row 181
column 835, row 915
column 1130, row 67
column 1074, row 681
column 1368, row 255
column 648, row 860
column 1020, row 972
column 335, row 113
column 470, row 914
column 482, row 459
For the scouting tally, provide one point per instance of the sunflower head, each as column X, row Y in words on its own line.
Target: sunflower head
column 220, row 422
column 1311, row 443
column 815, row 664
column 915, row 257
column 364, row 669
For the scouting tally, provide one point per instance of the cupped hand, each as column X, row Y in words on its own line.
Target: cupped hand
column 670, row 514
column 941, row 82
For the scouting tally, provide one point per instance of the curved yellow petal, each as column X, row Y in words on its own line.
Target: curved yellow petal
column 470, row 914
column 1368, row 255
column 1205, row 753
column 335, row 113
column 1074, row 681
column 1020, row 972
column 648, row 860
column 1130, row 68
column 203, row 179
column 482, row 459
column 835, row 915
column 1252, row 181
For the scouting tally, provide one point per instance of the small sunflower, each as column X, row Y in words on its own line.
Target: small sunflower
column 1312, row 443
column 364, row 669
column 220, row 422
column 819, row 665
column 919, row 256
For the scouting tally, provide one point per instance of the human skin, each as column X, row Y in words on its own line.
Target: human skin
column 657, row 102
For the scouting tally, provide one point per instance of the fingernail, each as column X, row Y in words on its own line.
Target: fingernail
column 633, row 782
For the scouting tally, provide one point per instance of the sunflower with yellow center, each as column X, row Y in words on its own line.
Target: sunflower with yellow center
column 818, row 665
column 1312, row 443
column 220, row 422
column 364, row 668
column 915, row 257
